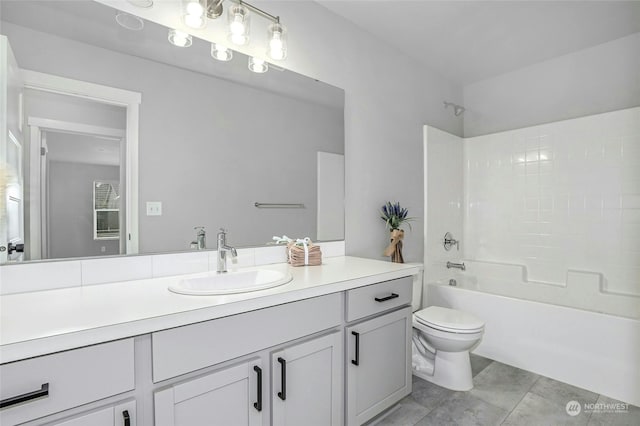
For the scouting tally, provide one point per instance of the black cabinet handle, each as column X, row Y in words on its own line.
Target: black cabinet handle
column 283, row 379
column 126, row 418
column 258, row 405
column 43, row 391
column 357, row 360
column 384, row 299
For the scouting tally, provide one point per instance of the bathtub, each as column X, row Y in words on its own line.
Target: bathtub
column 596, row 351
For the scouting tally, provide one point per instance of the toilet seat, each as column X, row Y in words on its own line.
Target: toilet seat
column 448, row 320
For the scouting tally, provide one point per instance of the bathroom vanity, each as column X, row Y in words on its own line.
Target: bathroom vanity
column 331, row 347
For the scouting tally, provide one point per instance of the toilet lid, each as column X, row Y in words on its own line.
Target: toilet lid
column 448, row 319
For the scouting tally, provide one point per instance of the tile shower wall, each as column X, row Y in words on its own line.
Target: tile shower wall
column 558, row 196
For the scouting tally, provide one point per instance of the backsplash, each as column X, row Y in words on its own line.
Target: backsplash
column 558, row 196
column 26, row 277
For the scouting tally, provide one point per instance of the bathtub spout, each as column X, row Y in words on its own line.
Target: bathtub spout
column 456, row 265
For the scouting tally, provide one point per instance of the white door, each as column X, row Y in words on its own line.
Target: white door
column 11, row 153
column 307, row 383
column 226, row 397
column 378, row 365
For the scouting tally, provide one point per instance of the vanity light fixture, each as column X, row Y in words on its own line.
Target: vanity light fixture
column 258, row 65
column 277, row 34
column 179, row 38
column 221, row 53
column 239, row 21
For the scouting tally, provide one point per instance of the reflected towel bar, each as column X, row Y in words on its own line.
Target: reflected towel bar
column 279, row 205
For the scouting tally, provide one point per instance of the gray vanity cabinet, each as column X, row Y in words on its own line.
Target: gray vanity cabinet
column 378, row 365
column 307, row 383
column 230, row 396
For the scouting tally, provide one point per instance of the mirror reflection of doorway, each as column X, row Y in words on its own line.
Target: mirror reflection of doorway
column 81, row 195
column 77, row 147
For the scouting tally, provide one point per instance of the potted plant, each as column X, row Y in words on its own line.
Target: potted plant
column 394, row 216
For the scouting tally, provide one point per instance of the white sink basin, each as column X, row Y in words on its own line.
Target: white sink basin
column 231, row 282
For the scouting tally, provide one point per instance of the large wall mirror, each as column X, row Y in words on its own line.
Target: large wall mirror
column 215, row 144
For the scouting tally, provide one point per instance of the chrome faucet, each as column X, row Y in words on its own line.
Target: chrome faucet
column 223, row 248
column 456, row 266
column 201, row 238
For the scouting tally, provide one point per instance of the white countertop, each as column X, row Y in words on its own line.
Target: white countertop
column 37, row 323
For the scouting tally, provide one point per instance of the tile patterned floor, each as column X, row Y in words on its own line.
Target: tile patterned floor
column 502, row 395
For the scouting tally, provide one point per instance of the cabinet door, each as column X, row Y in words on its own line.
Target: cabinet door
column 119, row 415
column 378, row 364
column 307, row 383
column 226, row 397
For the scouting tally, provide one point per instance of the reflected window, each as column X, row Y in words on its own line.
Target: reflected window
column 106, row 210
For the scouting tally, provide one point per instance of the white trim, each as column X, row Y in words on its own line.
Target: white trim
column 82, row 89
column 76, row 128
column 112, row 96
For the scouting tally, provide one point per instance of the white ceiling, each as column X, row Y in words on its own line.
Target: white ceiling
column 469, row 41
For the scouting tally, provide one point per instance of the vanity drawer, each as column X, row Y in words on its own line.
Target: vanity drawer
column 372, row 299
column 64, row 380
column 184, row 349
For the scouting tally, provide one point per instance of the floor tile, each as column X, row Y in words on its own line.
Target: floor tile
column 478, row 363
column 406, row 413
column 561, row 393
column 502, row 385
column 535, row 410
column 464, row 409
column 427, row 394
column 600, row 416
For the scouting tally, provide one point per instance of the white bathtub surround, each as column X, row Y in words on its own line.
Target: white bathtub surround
column 580, row 289
column 443, row 181
column 36, row 276
column 557, row 197
column 593, row 351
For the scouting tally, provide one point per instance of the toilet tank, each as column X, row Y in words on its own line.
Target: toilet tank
column 416, row 300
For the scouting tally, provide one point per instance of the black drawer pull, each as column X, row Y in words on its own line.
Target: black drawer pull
column 357, row 360
column 43, row 391
column 126, row 418
column 384, row 299
column 258, row 405
column 283, row 379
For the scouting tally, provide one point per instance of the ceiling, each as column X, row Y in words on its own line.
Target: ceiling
column 469, row 41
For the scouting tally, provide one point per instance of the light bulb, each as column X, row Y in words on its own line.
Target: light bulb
column 195, row 8
column 237, row 26
column 277, row 41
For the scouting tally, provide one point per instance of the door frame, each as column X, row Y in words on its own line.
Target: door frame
column 112, row 96
column 38, row 178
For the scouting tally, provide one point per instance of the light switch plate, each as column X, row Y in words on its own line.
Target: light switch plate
column 154, row 208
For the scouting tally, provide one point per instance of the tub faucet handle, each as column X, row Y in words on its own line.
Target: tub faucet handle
column 449, row 242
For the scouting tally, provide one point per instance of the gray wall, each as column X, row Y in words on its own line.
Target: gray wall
column 389, row 97
column 209, row 148
column 71, row 209
column 591, row 81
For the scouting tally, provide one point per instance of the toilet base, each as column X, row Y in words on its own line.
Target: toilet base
column 452, row 370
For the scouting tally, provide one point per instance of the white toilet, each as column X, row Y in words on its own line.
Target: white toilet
column 442, row 338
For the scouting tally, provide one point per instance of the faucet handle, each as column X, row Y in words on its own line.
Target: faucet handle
column 223, row 231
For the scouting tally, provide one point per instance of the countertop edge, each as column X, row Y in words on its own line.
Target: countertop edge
column 46, row 345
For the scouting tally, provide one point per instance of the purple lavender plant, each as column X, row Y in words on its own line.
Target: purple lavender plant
column 394, row 215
